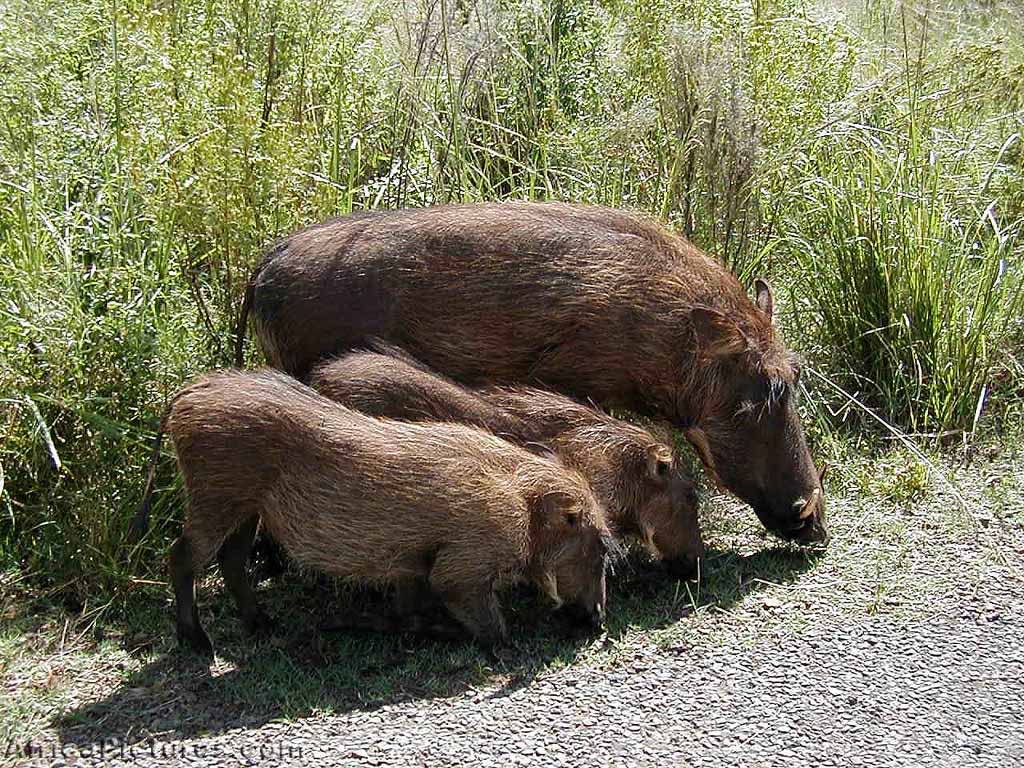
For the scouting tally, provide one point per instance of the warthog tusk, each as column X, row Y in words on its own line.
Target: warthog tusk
column 809, row 507
column 698, row 439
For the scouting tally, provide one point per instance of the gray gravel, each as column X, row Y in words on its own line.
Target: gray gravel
column 944, row 691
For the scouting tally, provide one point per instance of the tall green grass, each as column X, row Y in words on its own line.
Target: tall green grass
column 905, row 226
column 911, row 291
column 148, row 152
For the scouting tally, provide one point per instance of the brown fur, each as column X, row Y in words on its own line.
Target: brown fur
column 387, row 382
column 645, row 491
column 376, row 501
column 633, row 474
column 604, row 305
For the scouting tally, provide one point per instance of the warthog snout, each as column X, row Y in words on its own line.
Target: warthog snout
column 810, row 512
column 586, row 618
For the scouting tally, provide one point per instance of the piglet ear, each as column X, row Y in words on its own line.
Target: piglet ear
column 659, row 462
column 763, row 291
column 717, row 335
column 556, row 509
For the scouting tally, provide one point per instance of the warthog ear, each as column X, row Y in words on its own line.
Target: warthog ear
column 556, row 509
column 659, row 462
column 717, row 335
column 763, row 291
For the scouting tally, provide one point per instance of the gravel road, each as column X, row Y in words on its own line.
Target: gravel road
column 946, row 690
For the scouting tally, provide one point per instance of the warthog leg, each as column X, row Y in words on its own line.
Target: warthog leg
column 232, row 558
column 414, row 595
column 183, row 578
column 469, row 598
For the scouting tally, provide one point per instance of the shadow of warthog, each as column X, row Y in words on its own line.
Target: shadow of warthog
column 301, row 671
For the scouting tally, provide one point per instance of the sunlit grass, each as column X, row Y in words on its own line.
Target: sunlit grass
column 149, row 152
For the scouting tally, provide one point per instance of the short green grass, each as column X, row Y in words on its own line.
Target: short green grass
column 902, row 549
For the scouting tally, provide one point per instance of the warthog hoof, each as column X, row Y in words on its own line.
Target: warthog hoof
column 193, row 638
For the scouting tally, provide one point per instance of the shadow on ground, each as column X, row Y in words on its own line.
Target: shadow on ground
column 300, row 671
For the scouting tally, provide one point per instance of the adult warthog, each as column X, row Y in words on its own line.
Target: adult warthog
column 597, row 303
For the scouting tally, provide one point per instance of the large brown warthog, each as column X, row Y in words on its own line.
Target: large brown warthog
column 376, row 501
column 596, row 303
column 633, row 473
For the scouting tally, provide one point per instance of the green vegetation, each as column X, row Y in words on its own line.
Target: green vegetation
column 868, row 159
column 867, row 156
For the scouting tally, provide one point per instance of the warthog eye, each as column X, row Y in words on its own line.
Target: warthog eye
column 778, row 391
column 763, row 397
